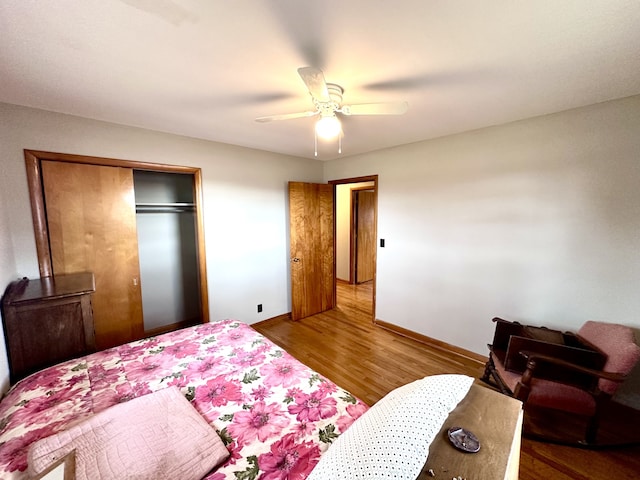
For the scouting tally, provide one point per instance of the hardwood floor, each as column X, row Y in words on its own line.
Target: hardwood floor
column 345, row 346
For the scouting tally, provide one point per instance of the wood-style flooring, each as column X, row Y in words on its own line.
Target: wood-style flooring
column 345, row 346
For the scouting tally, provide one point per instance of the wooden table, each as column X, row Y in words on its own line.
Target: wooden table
column 496, row 420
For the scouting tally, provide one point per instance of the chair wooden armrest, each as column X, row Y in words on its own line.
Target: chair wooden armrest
column 534, row 358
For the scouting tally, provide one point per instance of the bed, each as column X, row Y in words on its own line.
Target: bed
column 276, row 417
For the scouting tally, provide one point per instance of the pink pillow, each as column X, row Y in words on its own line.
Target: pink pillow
column 159, row 436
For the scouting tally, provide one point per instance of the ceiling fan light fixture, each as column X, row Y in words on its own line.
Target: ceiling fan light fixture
column 327, row 100
column 328, row 127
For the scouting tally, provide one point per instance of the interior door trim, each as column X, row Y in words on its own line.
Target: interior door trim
column 33, row 160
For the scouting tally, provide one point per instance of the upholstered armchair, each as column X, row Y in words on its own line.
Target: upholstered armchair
column 578, row 374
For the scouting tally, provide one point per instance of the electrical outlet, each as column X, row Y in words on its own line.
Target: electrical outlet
column 259, row 307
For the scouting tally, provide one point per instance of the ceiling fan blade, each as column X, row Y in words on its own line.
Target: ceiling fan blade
column 286, row 116
column 395, row 108
column 314, row 80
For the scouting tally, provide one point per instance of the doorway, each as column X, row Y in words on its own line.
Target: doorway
column 355, row 242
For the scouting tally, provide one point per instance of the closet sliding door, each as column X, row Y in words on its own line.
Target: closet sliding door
column 92, row 228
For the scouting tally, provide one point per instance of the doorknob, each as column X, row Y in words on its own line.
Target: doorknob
column 295, row 260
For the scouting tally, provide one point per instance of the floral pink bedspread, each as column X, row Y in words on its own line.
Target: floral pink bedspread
column 275, row 415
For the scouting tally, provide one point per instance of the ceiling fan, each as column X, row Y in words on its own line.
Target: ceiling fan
column 327, row 100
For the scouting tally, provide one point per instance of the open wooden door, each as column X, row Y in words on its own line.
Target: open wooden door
column 311, row 229
column 91, row 224
column 365, row 235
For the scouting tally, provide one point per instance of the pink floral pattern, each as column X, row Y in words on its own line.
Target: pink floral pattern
column 218, row 391
column 261, row 421
column 283, row 372
column 275, row 415
column 313, row 407
column 288, row 459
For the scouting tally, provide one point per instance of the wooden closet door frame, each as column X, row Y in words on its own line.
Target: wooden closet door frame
column 33, row 160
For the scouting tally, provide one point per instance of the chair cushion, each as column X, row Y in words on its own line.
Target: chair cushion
column 548, row 394
column 618, row 343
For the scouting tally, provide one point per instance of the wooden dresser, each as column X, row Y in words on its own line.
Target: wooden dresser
column 46, row 321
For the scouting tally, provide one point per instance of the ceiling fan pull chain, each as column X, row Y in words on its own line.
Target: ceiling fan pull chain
column 340, row 142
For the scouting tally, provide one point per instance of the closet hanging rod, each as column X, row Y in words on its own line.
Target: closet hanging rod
column 165, row 204
column 164, row 207
column 164, row 210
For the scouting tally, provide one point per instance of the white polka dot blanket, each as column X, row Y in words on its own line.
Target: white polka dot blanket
column 391, row 440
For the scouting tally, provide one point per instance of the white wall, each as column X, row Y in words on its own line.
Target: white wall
column 536, row 221
column 8, row 271
column 245, row 204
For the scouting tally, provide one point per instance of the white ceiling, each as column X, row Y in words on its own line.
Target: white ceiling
column 207, row 68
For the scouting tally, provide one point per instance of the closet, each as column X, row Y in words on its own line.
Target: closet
column 166, row 226
column 136, row 226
